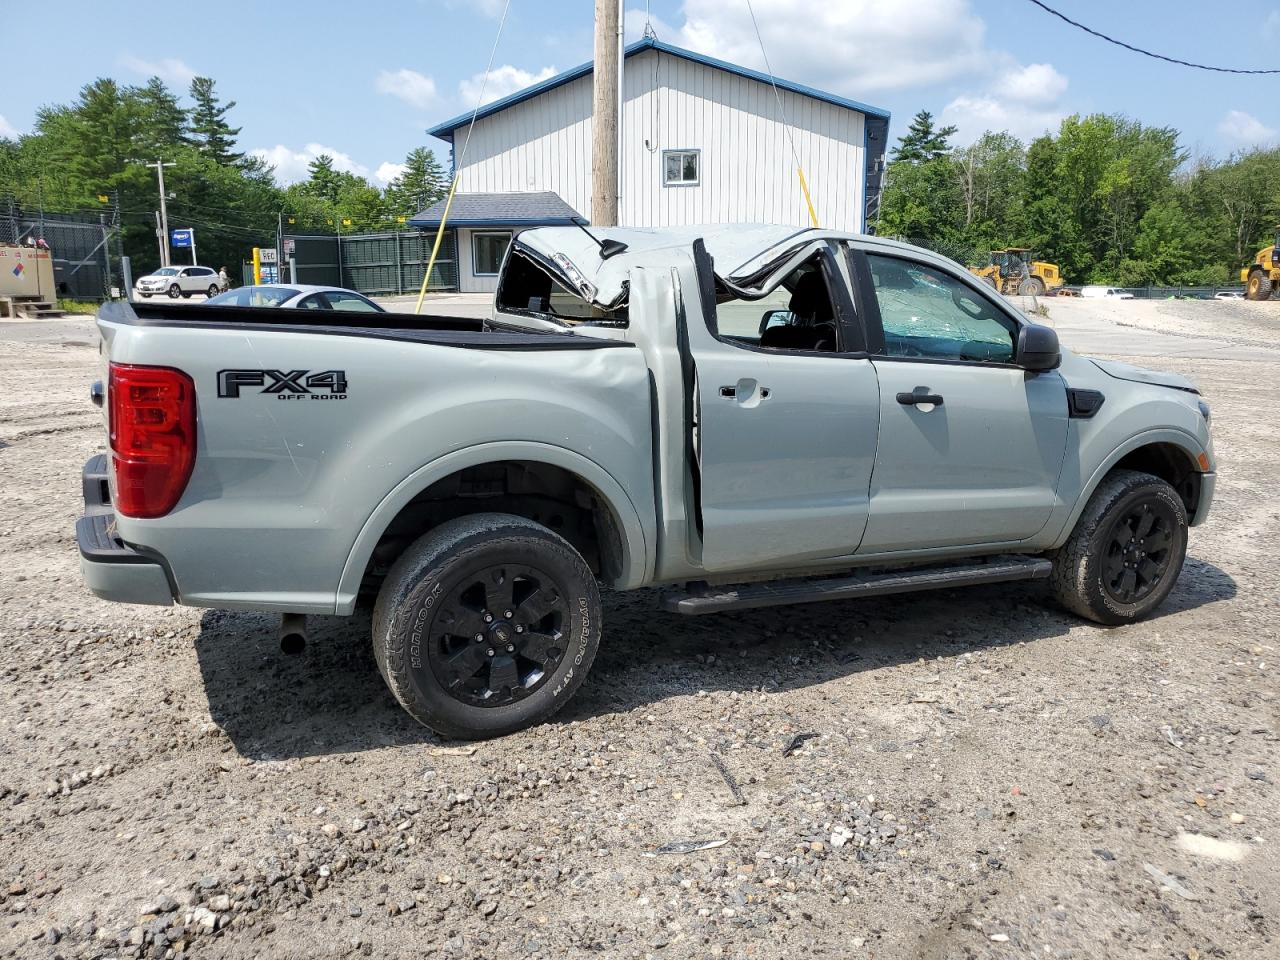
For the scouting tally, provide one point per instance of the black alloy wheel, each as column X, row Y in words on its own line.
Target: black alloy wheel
column 1124, row 555
column 486, row 624
column 1139, row 550
column 498, row 634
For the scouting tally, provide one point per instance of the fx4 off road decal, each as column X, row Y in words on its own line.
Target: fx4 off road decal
column 285, row 384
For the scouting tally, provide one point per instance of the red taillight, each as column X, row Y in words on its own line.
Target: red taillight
column 152, row 413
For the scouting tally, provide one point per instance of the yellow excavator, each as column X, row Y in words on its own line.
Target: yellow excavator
column 1015, row 270
column 1261, row 278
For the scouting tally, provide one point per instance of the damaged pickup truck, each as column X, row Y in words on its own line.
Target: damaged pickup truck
column 748, row 416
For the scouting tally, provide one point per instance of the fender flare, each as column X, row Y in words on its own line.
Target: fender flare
column 1171, row 435
column 637, row 558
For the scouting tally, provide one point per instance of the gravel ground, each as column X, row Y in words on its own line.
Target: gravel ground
column 971, row 774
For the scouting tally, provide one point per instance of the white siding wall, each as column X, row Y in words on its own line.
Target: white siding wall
column 468, row 282
column 746, row 168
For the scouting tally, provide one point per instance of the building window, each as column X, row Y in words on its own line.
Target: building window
column 487, row 251
column 680, row 168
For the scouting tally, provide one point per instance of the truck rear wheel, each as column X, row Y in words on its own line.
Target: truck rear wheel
column 1032, row 287
column 1259, row 286
column 485, row 625
column 1126, row 551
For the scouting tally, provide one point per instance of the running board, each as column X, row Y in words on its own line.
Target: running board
column 782, row 592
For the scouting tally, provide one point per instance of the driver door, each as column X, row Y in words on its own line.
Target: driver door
column 970, row 444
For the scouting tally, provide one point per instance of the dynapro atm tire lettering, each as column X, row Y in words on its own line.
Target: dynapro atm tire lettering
column 285, row 384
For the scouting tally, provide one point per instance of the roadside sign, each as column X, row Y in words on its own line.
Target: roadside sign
column 183, row 238
column 266, row 254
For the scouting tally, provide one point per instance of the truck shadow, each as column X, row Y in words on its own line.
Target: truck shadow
column 331, row 699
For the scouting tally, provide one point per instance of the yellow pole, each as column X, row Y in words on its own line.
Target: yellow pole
column 435, row 248
column 257, row 267
column 807, row 199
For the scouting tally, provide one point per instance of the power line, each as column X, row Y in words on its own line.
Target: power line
column 1146, row 53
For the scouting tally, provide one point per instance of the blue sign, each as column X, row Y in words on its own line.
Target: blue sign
column 182, row 238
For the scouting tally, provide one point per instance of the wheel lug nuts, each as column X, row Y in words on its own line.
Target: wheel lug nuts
column 490, row 651
column 479, row 638
column 519, row 629
column 507, row 615
column 511, row 648
column 488, row 618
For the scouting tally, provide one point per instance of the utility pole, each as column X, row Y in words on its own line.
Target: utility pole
column 604, row 116
column 159, row 166
column 118, row 221
column 161, row 241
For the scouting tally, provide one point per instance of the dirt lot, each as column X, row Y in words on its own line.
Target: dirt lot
column 987, row 776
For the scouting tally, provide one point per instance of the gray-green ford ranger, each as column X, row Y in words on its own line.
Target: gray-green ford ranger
column 747, row 415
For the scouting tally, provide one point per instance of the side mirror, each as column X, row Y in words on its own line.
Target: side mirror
column 775, row 318
column 1037, row 348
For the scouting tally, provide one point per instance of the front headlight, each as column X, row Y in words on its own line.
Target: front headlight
column 1204, row 411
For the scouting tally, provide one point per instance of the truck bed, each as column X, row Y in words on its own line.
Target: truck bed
column 464, row 332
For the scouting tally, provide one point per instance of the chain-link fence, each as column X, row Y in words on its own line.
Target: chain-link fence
column 80, row 245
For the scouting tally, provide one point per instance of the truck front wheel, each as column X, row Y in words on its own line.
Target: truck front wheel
column 485, row 625
column 1126, row 550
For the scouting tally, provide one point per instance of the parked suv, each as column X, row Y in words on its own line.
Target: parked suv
column 178, row 282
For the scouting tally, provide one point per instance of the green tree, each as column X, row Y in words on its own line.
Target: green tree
column 422, row 183
column 923, row 141
column 209, row 130
column 990, row 174
column 161, row 121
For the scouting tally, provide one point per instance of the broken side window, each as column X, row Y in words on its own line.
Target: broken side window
column 527, row 288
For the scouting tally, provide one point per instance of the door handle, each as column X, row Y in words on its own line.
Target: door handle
column 920, row 395
column 745, row 390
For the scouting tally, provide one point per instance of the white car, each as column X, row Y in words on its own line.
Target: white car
column 1228, row 295
column 178, row 282
column 302, row 296
column 1115, row 293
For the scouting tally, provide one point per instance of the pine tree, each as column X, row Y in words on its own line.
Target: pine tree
column 323, row 182
column 422, row 184
column 209, row 131
column 161, row 120
column 923, row 141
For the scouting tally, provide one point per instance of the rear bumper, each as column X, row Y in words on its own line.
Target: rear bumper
column 111, row 568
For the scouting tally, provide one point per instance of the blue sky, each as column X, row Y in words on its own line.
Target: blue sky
column 363, row 81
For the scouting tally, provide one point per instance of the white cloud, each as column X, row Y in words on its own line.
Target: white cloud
column 1037, row 83
column 388, row 171
column 291, row 165
column 7, row 130
column 168, row 68
column 854, row 47
column 1244, row 129
column 974, row 115
column 414, row 88
column 503, row 81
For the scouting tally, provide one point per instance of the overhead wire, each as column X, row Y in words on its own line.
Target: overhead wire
column 782, row 112
column 1146, row 53
column 458, row 161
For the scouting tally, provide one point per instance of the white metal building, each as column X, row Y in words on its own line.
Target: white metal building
column 703, row 141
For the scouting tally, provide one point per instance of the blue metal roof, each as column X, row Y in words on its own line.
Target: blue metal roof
column 446, row 130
